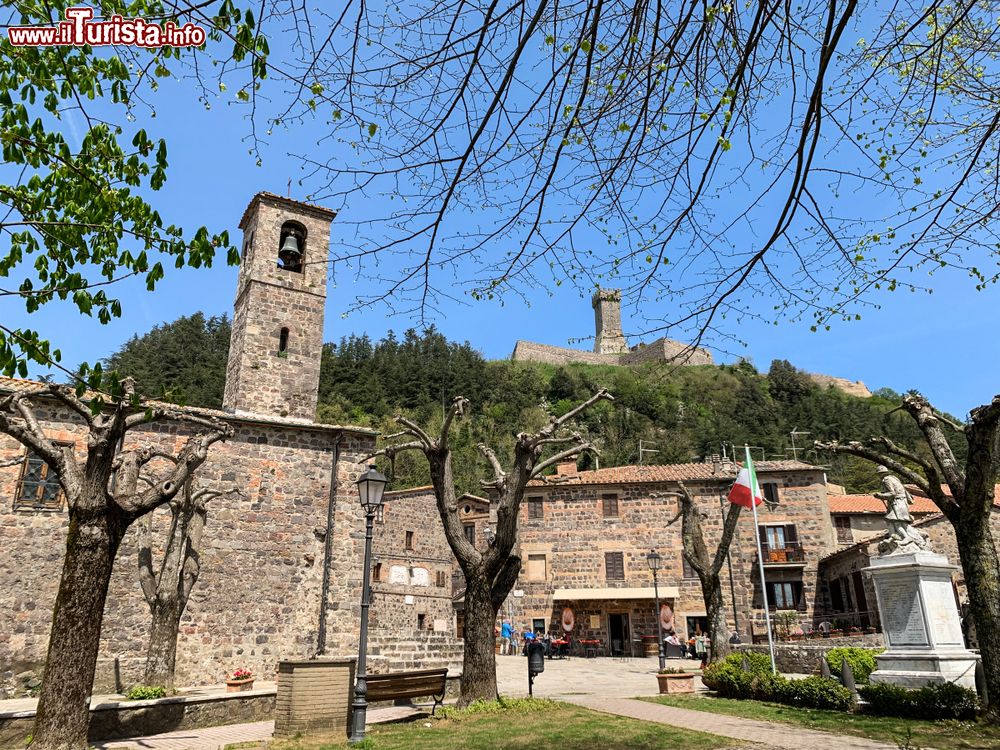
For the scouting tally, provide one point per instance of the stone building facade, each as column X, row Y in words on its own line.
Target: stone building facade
column 412, row 567
column 585, row 537
column 280, row 564
column 846, row 595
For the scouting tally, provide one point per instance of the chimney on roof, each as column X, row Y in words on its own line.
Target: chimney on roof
column 566, row 468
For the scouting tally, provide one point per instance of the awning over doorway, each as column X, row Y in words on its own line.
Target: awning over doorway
column 646, row 592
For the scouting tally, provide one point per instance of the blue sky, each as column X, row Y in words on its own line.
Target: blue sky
column 940, row 344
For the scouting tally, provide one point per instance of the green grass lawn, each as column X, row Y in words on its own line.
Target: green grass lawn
column 943, row 735
column 554, row 725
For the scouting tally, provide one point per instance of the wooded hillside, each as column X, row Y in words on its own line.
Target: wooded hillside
column 682, row 413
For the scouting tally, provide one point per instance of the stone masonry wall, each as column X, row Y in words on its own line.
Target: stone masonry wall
column 802, row 657
column 529, row 351
column 667, row 350
column 414, row 583
column 269, row 298
column 258, row 596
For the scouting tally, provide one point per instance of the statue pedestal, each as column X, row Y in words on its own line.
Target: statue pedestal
column 916, row 604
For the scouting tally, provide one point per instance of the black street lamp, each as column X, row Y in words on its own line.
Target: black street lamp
column 371, row 486
column 654, row 560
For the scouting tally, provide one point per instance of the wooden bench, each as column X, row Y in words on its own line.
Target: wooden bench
column 419, row 684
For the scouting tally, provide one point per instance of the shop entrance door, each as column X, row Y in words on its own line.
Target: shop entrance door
column 618, row 633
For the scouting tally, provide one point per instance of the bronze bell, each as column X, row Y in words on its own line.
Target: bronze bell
column 289, row 254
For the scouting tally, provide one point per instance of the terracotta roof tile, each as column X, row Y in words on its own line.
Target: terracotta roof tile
column 666, row 473
column 861, row 504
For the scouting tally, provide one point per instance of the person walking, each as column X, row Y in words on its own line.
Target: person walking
column 506, row 631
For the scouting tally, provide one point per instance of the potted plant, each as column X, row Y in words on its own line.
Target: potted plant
column 673, row 680
column 240, row 680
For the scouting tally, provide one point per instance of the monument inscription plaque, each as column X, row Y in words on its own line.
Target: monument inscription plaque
column 902, row 614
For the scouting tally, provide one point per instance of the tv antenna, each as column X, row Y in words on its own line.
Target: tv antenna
column 793, row 433
column 645, row 450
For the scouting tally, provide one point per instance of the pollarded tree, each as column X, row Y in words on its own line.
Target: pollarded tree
column 103, row 499
column 168, row 589
column 967, row 504
column 490, row 574
column 707, row 566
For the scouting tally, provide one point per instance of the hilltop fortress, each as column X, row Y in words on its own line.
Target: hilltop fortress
column 612, row 348
column 610, row 345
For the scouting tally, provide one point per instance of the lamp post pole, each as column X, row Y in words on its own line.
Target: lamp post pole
column 653, row 559
column 360, row 705
column 371, row 486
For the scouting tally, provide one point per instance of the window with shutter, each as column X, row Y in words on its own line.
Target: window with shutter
column 535, row 509
column 614, row 566
column 770, row 492
column 688, row 571
column 469, row 529
column 609, row 505
column 39, row 487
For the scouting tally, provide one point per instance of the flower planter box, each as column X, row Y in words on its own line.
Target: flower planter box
column 239, row 686
column 671, row 684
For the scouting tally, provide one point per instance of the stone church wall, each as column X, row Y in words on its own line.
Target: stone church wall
column 258, row 596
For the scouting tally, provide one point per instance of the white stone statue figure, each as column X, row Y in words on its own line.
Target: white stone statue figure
column 903, row 538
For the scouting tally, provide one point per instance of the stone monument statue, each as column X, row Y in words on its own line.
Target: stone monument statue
column 903, row 538
column 916, row 602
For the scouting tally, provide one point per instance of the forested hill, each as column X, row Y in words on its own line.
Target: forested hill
column 684, row 414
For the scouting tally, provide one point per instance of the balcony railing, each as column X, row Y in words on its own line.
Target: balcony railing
column 790, row 552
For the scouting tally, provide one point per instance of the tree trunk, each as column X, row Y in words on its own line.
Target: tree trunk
column 63, row 714
column 982, row 580
column 162, row 653
column 479, row 666
column 715, row 610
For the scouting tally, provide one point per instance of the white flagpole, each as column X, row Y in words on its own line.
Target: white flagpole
column 760, row 556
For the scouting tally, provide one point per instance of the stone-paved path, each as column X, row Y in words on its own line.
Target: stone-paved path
column 784, row 736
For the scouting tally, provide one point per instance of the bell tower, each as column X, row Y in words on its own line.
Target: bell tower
column 274, row 352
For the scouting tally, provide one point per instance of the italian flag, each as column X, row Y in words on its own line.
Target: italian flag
column 746, row 490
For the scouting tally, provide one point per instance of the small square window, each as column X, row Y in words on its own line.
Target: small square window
column 421, row 620
column 442, row 579
column 409, row 540
column 688, row 571
column 609, row 505
column 469, row 529
column 377, row 572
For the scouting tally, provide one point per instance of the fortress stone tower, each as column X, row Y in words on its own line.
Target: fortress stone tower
column 274, row 352
column 609, row 338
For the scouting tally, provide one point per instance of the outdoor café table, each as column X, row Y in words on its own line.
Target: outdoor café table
column 591, row 645
column 559, row 648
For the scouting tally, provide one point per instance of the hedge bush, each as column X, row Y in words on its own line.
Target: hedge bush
column 146, row 692
column 862, row 661
column 933, row 702
column 816, row 692
column 729, row 680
